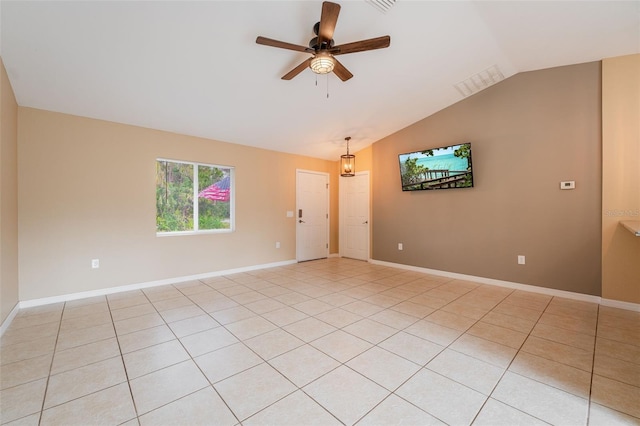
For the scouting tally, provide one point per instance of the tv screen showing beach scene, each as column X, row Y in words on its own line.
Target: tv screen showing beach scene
column 437, row 168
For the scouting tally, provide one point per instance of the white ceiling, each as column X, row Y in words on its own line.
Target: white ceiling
column 194, row 67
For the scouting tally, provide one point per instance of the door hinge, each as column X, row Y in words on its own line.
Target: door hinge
column 327, row 245
column 327, row 186
column 327, row 215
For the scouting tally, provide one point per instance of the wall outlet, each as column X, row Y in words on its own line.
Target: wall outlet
column 277, row 244
column 400, row 246
column 95, row 263
column 520, row 259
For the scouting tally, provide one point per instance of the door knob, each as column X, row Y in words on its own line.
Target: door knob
column 365, row 222
column 301, row 221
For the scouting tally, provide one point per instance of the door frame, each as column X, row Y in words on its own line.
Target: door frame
column 328, row 180
column 342, row 212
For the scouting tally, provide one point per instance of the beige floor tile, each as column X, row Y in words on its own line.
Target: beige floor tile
column 624, row 335
column 450, row 320
column 32, row 420
column 338, row 317
column 80, row 356
column 147, row 360
column 208, row 341
column 413, row 348
column 567, row 337
column 577, row 325
column 274, row 290
column 82, row 381
column 304, row 364
column 19, row 335
column 558, row 352
column 395, row 410
column 204, row 407
column 293, row 410
column 382, row 300
column 383, row 367
column 362, row 308
column 334, row 391
column 273, row 343
column 132, row 325
column 233, row 314
column 600, row 415
column 292, row 298
column 429, row 301
column 517, row 311
column 248, row 297
column 85, row 321
column 341, row 346
column 125, row 300
column 395, row 319
column 25, row 321
column 619, row 350
column 265, row 305
column 465, row 309
column 78, row 337
column 223, row 363
column 22, row 400
column 504, row 336
column 616, row 395
column 27, row 350
column 309, row 329
column 132, row 311
column 441, row 397
column 160, row 293
column 485, row 350
column 36, row 310
column 433, row 332
column 495, row 413
column 81, row 311
column 617, row 369
column 627, row 322
column 113, row 405
column 184, row 312
column 464, row 369
column 193, row 325
column 561, row 376
column 523, row 325
column 371, row 331
column 253, row 390
column 337, row 299
column 167, row 385
column 284, row 316
column 234, row 290
column 414, row 309
column 173, row 303
column 542, row 401
column 144, row 338
column 250, row 327
column 313, row 307
column 17, row 373
column 192, row 287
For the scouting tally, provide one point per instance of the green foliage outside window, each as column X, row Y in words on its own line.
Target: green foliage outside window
column 176, row 196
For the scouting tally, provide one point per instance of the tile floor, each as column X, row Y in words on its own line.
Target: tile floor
column 332, row 341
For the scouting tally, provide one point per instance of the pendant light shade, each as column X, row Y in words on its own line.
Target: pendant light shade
column 347, row 162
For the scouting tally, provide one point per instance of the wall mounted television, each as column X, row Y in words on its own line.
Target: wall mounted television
column 445, row 167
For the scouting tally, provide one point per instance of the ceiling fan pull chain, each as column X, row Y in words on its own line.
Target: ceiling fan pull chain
column 327, row 86
column 316, row 80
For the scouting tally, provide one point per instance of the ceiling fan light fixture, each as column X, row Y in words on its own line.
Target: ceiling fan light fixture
column 322, row 63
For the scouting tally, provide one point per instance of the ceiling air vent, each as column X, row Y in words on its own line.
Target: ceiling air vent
column 382, row 5
column 480, row 81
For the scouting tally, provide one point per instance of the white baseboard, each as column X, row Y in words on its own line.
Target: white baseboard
column 7, row 321
column 501, row 283
column 621, row 305
column 120, row 289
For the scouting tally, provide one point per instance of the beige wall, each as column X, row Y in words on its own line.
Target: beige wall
column 87, row 190
column 528, row 133
column 8, row 196
column 620, row 177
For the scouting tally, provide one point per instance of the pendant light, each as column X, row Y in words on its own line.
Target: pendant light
column 347, row 162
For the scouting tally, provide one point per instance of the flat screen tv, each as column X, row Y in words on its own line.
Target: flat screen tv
column 437, row 168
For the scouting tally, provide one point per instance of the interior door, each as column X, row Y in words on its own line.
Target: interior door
column 354, row 216
column 312, row 215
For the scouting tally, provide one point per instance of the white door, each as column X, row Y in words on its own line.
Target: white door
column 312, row 215
column 354, row 216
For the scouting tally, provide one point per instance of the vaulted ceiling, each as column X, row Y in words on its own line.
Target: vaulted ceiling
column 193, row 67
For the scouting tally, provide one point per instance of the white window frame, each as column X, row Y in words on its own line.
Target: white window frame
column 196, row 222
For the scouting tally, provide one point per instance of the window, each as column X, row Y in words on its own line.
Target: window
column 192, row 197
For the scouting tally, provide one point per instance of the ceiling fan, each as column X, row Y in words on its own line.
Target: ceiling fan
column 322, row 47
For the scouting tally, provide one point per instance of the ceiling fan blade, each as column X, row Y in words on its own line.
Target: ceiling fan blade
column 282, row 44
column 328, row 20
column 361, row 46
column 297, row 70
column 340, row 71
